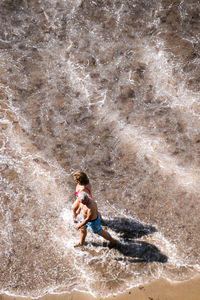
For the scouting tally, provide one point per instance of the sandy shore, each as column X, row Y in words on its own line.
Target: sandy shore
column 158, row 290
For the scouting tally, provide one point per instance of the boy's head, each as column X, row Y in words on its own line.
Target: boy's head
column 83, row 197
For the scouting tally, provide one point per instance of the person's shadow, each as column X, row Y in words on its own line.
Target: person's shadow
column 134, row 251
column 128, row 229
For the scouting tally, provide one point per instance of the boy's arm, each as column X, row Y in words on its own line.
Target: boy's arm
column 87, row 219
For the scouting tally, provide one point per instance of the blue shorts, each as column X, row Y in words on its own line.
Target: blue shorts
column 95, row 226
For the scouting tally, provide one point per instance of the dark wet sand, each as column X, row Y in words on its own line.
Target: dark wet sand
column 159, row 290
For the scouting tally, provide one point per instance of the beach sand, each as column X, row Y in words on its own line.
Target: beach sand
column 158, row 290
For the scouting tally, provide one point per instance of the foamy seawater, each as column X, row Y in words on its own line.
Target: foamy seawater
column 112, row 88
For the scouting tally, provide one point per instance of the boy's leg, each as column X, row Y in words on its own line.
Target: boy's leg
column 101, row 218
column 83, row 233
column 107, row 236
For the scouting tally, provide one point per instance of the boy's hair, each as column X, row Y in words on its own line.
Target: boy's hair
column 83, row 196
column 81, row 177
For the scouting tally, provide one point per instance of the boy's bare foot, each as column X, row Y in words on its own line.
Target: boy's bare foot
column 78, row 245
column 113, row 243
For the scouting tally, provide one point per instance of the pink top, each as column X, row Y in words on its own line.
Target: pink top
column 85, row 189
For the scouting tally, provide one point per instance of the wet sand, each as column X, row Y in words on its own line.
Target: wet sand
column 158, row 290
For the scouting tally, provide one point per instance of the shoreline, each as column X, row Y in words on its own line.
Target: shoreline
column 160, row 289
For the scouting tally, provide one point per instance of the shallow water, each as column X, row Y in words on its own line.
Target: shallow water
column 110, row 87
